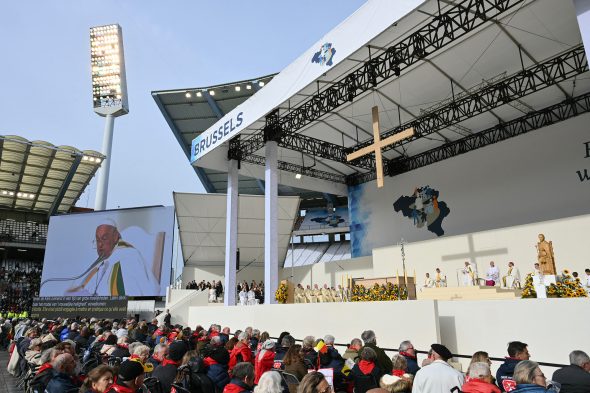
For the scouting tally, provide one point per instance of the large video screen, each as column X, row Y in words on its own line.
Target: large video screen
column 112, row 253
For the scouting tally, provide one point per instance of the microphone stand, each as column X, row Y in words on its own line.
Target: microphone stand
column 96, row 263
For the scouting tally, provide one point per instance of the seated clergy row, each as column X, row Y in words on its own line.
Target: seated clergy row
column 320, row 295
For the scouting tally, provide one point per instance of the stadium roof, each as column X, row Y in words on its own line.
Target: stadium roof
column 37, row 176
column 463, row 73
column 190, row 111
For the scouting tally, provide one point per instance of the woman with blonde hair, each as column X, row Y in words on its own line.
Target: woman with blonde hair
column 314, row 382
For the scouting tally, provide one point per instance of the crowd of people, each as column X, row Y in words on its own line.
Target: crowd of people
column 214, row 289
column 19, row 284
column 126, row 356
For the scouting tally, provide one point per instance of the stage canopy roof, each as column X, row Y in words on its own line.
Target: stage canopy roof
column 37, row 176
column 201, row 221
column 465, row 75
column 190, row 111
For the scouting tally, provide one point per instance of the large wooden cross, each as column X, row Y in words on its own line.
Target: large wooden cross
column 378, row 144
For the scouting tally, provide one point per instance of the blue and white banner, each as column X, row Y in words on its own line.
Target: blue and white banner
column 355, row 32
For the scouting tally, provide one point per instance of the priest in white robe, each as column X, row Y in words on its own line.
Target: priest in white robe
column 512, row 277
column 468, row 275
column 493, row 275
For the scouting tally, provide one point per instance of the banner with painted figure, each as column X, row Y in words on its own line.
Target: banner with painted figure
column 540, row 176
column 112, row 253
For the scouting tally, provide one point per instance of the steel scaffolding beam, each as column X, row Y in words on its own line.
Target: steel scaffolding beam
column 532, row 121
column 443, row 29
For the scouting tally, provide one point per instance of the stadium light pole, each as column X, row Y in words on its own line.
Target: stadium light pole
column 109, row 93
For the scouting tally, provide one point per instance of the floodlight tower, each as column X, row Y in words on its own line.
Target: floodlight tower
column 109, row 93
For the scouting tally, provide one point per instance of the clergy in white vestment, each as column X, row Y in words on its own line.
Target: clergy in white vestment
column 440, row 280
column 243, row 295
column 468, row 275
column 493, row 275
column 512, row 277
column 438, row 376
column 428, row 282
column 587, row 278
column 251, row 297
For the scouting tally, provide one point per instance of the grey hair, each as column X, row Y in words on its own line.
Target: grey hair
column 216, row 340
column 255, row 333
column 404, row 345
column 132, row 346
column 140, row 349
column 579, row 358
column 329, row 339
column 159, row 347
column 356, row 341
column 287, row 341
column 243, row 336
column 479, row 370
column 368, row 337
column 524, row 372
column 59, row 362
column 71, row 342
column 270, row 382
column 368, row 354
column 308, row 342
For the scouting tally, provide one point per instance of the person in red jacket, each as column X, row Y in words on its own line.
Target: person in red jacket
column 265, row 360
column 480, row 379
column 241, row 351
column 242, row 379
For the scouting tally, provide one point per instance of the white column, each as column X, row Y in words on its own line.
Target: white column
column 231, row 234
column 102, row 189
column 271, row 227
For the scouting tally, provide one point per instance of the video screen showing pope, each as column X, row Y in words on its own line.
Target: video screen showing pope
column 111, row 253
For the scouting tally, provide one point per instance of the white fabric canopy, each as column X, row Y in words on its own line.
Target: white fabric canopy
column 202, row 225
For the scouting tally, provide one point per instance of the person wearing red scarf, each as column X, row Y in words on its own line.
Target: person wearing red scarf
column 242, row 379
column 166, row 371
column 407, row 350
column 265, row 360
column 480, row 379
column 241, row 351
column 365, row 375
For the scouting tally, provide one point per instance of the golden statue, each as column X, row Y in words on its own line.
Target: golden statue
column 545, row 256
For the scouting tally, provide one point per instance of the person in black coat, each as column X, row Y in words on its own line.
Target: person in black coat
column 517, row 351
column 365, row 375
column 166, row 371
column 407, row 350
column 574, row 378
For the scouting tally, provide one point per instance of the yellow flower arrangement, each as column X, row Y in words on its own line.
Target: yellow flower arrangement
column 281, row 293
column 567, row 286
column 384, row 292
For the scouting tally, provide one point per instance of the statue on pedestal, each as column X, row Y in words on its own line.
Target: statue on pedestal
column 545, row 256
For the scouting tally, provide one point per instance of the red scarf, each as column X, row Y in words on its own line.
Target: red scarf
column 209, row 361
column 134, row 356
column 167, row 361
column 398, row 373
column 45, row 366
column 366, row 367
column 405, row 354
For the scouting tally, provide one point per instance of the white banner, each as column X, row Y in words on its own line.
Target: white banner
column 356, row 31
column 113, row 253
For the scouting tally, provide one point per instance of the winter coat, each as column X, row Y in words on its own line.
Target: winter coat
column 217, row 373
column 240, row 353
column 476, row 385
column 504, row 374
column 573, row 379
column 530, row 388
column 412, row 363
column 383, row 361
column 237, row 386
column 166, row 373
column 365, row 376
column 263, row 364
column 61, row 383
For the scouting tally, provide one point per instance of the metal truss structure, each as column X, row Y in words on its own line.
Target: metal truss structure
column 443, row 29
column 294, row 168
column 564, row 110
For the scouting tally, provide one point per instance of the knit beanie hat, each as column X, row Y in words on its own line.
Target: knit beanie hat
column 177, row 350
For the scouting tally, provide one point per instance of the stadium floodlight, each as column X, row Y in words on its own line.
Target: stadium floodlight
column 109, row 93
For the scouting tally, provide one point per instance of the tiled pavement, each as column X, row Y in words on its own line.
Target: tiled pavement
column 7, row 381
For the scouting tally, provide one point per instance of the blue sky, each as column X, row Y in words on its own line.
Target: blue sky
column 45, row 74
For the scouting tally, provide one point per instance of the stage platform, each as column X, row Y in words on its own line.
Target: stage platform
column 468, row 293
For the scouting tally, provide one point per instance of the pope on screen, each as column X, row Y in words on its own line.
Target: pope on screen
column 120, row 269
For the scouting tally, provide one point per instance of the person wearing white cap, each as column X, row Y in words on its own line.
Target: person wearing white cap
column 120, row 269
